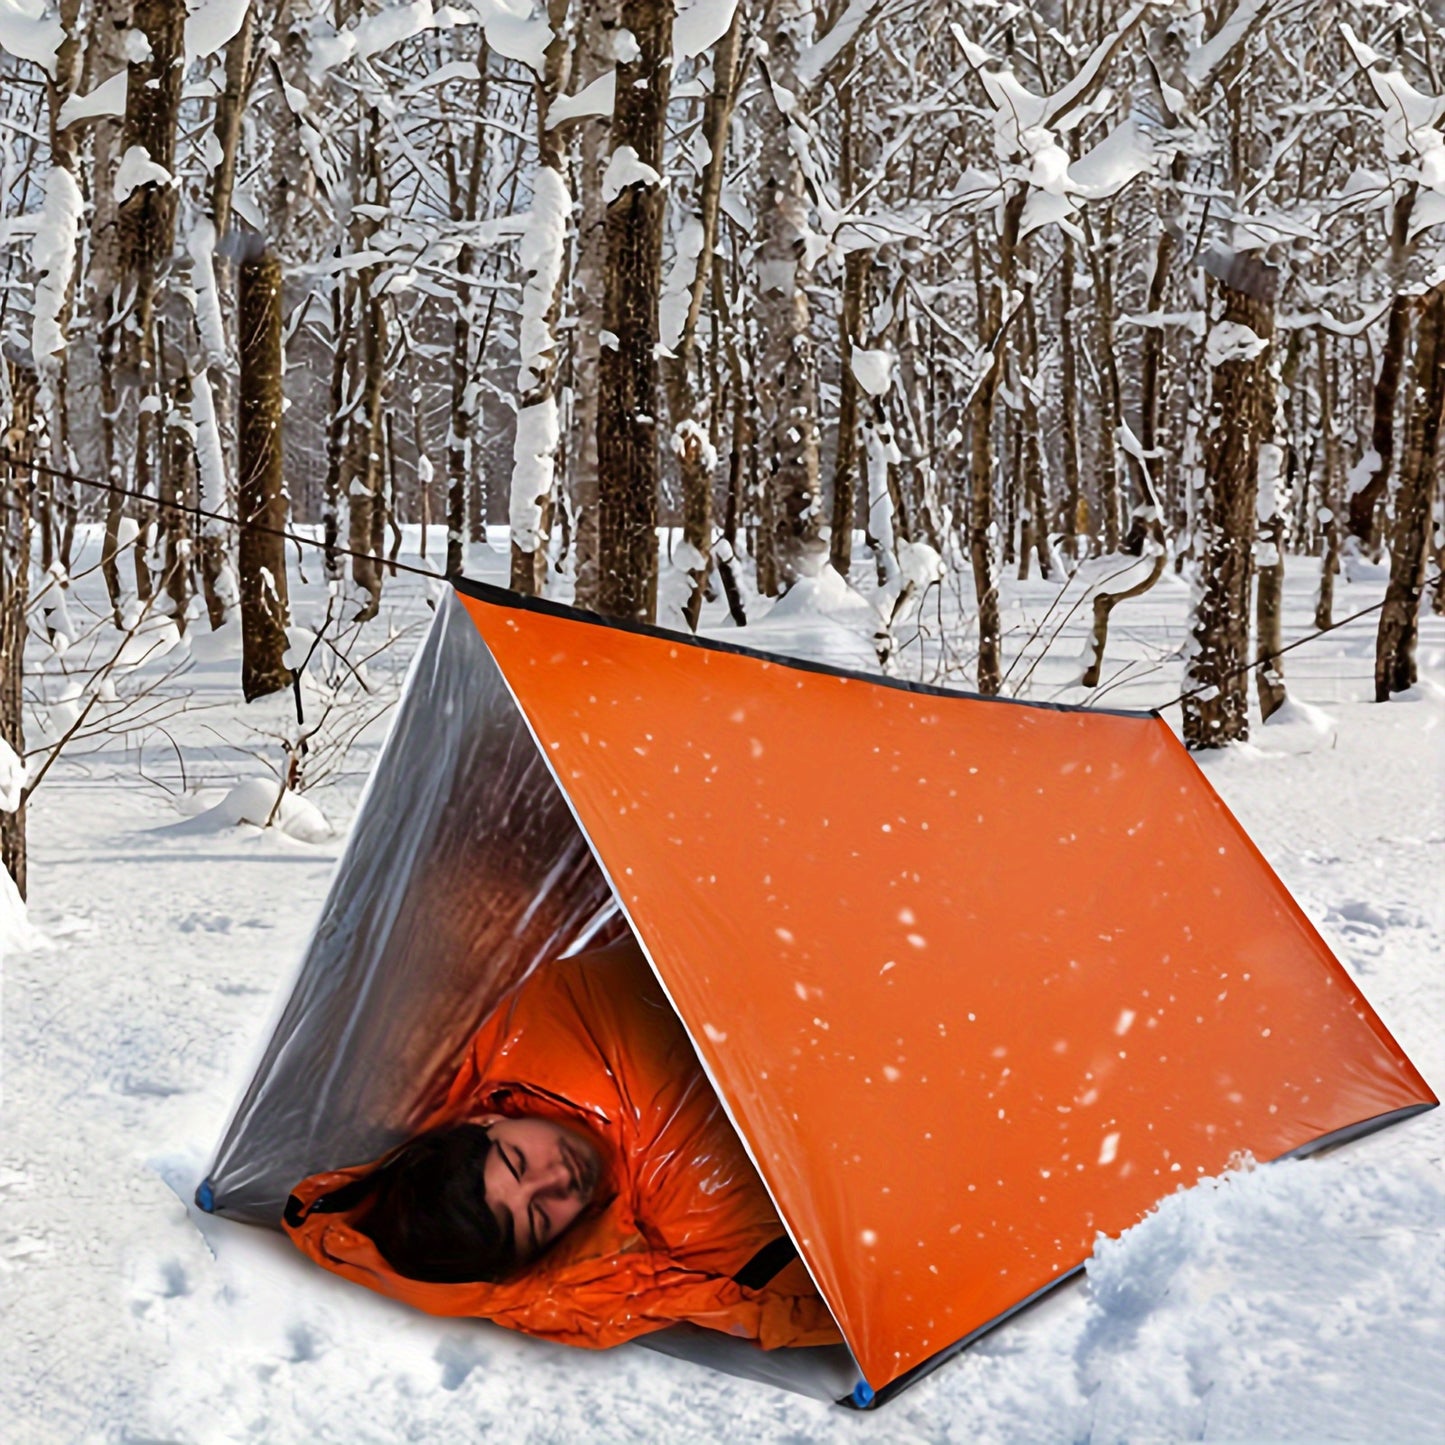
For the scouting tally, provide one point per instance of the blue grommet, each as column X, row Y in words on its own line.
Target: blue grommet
column 862, row 1394
column 206, row 1197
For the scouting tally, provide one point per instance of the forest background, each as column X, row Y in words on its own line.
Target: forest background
column 965, row 288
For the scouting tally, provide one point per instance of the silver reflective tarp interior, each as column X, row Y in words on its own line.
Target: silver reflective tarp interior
column 464, row 870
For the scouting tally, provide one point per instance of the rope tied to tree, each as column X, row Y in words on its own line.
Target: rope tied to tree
column 334, row 550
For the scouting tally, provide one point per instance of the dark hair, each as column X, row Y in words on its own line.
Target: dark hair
column 429, row 1215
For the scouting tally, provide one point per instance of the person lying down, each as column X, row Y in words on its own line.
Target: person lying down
column 580, row 1182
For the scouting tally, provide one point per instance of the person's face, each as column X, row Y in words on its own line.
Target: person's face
column 539, row 1177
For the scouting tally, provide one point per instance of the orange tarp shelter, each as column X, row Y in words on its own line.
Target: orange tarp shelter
column 975, row 979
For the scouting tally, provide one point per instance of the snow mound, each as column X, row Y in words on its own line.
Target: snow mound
column 221, row 644
column 827, row 595
column 1295, row 715
column 16, row 933
column 820, row 619
column 1423, row 690
column 1219, row 1286
column 12, row 778
column 253, row 802
column 149, row 640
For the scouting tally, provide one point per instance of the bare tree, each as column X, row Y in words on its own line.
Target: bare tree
column 1410, row 520
column 18, row 386
column 628, row 398
column 1241, row 409
column 787, row 381
column 261, row 490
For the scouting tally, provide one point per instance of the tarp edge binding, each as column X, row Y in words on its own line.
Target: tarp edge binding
column 502, row 597
column 1370, row 1017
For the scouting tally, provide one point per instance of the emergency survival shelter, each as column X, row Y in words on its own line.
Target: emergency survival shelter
column 975, row 979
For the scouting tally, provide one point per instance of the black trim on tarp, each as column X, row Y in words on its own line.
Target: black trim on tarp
column 926, row 1367
column 335, row 1201
column 770, row 1261
column 502, row 597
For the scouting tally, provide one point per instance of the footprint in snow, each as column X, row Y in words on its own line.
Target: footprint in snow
column 458, row 1358
column 304, row 1344
column 204, row 923
column 1361, row 916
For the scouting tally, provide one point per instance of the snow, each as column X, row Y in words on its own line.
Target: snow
column 533, row 461
column 1231, row 341
column 596, row 98
column 374, row 33
column 137, row 45
column 1295, row 1301
column 699, row 24
column 540, row 254
column 16, row 936
column 1411, row 118
column 210, row 453
column 1202, row 60
column 30, row 30
column 210, row 26
column 12, row 778
column 818, row 57
column 255, row 803
column 676, row 295
column 517, row 29
column 53, row 255
column 626, row 168
column 108, row 98
column 873, row 370
column 514, row 28
column 137, row 169
column 201, row 247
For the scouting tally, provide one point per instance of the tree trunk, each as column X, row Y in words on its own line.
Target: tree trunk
column 543, row 254
column 261, row 494
column 459, row 429
column 589, row 299
column 980, row 510
column 1269, row 591
column 145, row 221
column 54, row 496
column 362, row 475
column 627, row 394
column 1241, row 412
column 177, row 466
column 1330, row 483
column 1111, row 410
column 786, row 381
column 1034, row 532
column 217, row 402
column 694, row 440
column 845, row 468
column 338, row 458
column 1373, row 477
column 17, row 452
column 1410, row 523
column 1069, row 401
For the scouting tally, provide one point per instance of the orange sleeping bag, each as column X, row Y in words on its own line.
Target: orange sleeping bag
column 592, row 1043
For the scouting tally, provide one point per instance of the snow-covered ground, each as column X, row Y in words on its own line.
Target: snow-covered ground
column 1296, row 1301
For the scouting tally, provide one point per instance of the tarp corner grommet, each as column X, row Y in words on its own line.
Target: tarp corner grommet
column 206, row 1197
column 862, row 1395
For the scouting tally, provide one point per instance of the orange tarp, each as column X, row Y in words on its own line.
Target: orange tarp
column 975, row 980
